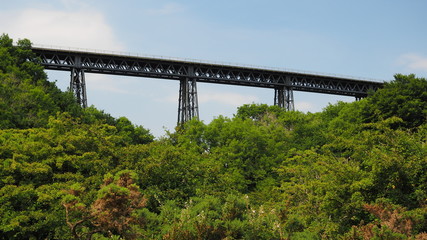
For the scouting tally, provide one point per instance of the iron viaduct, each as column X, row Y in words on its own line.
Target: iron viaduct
column 188, row 73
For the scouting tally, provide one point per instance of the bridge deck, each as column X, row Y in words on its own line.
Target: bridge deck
column 103, row 63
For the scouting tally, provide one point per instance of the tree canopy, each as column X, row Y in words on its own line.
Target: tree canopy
column 352, row 171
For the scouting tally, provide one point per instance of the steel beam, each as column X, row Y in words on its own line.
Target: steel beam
column 78, row 86
column 284, row 98
column 203, row 72
column 190, row 72
column 188, row 107
column 187, row 104
column 77, row 82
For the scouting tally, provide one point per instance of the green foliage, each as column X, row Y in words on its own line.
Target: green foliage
column 353, row 171
column 112, row 214
column 27, row 99
column 405, row 97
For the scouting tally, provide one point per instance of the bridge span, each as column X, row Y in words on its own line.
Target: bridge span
column 191, row 72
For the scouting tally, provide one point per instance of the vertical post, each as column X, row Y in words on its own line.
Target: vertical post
column 289, row 99
column 78, row 83
column 188, row 103
column 279, row 98
column 284, row 96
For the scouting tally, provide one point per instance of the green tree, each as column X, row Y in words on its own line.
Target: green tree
column 405, row 97
column 112, row 213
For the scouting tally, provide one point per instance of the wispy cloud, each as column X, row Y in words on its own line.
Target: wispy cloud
column 413, row 61
column 68, row 27
column 74, row 4
column 166, row 9
column 106, row 83
column 72, row 28
column 223, row 98
column 305, row 106
column 227, row 98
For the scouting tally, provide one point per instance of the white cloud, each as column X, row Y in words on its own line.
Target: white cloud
column 70, row 4
column 305, row 106
column 413, row 61
column 170, row 98
column 227, row 98
column 167, row 9
column 224, row 98
column 81, row 28
column 105, row 83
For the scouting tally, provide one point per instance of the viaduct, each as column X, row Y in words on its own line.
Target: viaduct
column 188, row 73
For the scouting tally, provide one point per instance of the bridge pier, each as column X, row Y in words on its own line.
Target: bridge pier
column 78, row 86
column 188, row 105
column 77, row 82
column 284, row 98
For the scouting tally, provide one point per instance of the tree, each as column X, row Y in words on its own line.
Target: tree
column 112, row 213
column 405, row 97
column 27, row 99
column 391, row 222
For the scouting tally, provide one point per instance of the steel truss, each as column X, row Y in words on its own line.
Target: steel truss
column 188, row 105
column 188, row 73
column 284, row 98
column 78, row 86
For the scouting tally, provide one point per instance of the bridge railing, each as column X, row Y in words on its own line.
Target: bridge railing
column 193, row 60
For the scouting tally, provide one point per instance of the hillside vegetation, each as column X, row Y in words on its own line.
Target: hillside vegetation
column 353, row 171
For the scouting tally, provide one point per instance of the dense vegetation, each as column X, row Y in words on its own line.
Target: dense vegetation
column 353, row 171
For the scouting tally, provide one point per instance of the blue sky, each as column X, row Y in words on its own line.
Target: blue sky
column 371, row 39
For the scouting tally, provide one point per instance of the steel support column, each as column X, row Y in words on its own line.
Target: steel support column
column 284, row 98
column 77, row 82
column 279, row 97
column 188, row 105
column 78, row 86
column 289, row 99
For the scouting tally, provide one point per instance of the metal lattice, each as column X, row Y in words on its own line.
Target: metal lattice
column 284, row 98
column 78, row 86
column 203, row 72
column 77, row 81
column 284, row 82
column 188, row 105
